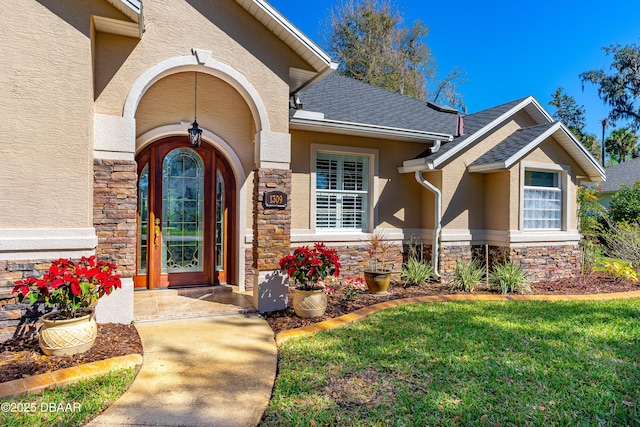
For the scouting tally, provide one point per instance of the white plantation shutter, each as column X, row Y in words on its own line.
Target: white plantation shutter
column 342, row 188
column 542, row 200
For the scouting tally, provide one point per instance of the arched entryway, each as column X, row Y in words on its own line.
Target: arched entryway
column 186, row 207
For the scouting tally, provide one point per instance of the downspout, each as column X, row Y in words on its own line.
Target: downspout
column 437, row 220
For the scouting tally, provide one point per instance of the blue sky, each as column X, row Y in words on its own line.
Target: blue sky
column 509, row 49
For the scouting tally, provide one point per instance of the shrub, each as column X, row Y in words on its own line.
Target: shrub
column 590, row 212
column 353, row 287
column 509, row 277
column 619, row 269
column 468, row 275
column 591, row 254
column 625, row 204
column 622, row 241
column 416, row 272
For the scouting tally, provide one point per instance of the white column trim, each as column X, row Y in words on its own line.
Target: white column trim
column 193, row 63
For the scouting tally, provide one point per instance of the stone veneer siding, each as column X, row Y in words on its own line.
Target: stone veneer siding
column 115, row 198
column 548, row 262
column 18, row 320
column 355, row 260
column 248, row 269
column 271, row 227
column 540, row 262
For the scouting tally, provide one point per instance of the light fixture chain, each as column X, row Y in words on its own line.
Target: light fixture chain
column 195, row 102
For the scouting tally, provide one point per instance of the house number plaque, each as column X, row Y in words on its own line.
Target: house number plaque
column 275, row 199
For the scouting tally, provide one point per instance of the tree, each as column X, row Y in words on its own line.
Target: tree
column 445, row 91
column 622, row 143
column 573, row 115
column 371, row 43
column 568, row 111
column 592, row 145
column 620, row 89
column 625, row 204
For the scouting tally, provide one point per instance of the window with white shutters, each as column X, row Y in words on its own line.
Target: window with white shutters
column 542, row 200
column 342, row 191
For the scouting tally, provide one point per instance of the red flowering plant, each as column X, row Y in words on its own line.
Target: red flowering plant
column 70, row 287
column 308, row 267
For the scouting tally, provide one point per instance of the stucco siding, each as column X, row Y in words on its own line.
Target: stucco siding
column 224, row 28
column 398, row 195
column 470, row 199
column 221, row 109
column 47, row 128
column 498, row 198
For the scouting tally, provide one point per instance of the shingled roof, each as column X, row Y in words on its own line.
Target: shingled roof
column 472, row 124
column 345, row 99
column 513, row 144
column 623, row 173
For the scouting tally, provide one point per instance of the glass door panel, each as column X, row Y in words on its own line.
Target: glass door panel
column 185, row 202
column 182, row 212
column 220, row 222
column 143, row 218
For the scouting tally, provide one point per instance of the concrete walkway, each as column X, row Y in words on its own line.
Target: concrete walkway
column 210, row 371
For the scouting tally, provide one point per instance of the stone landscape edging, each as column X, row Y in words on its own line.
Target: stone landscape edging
column 336, row 322
column 52, row 379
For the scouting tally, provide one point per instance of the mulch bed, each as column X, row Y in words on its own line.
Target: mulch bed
column 337, row 305
column 20, row 357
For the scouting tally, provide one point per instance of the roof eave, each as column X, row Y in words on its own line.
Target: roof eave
column 488, row 167
column 282, row 28
column 416, row 165
column 133, row 10
column 597, row 172
column 366, row 130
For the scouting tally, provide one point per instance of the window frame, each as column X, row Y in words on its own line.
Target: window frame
column 562, row 172
column 372, row 192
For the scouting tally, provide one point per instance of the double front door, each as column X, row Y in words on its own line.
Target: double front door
column 185, row 210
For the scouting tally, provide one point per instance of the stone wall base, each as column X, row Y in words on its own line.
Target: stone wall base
column 540, row 262
column 19, row 320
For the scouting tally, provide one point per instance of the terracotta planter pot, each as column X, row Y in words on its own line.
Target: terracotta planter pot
column 309, row 304
column 378, row 281
column 68, row 336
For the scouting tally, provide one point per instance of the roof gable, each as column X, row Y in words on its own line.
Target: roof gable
column 483, row 122
column 513, row 148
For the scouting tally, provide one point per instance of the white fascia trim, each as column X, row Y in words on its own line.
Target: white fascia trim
column 350, row 237
column 416, row 165
column 499, row 237
column 477, row 135
column 601, row 172
column 49, row 243
column 366, row 130
column 133, row 10
column 288, row 26
column 518, row 155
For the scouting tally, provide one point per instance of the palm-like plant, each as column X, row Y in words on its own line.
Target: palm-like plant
column 622, row 143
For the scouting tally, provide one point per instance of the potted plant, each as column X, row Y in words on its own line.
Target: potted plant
column 379, row 277
column 72, row 289
column 308, row 267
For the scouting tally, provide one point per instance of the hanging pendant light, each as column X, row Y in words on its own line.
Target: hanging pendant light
column 195, row 133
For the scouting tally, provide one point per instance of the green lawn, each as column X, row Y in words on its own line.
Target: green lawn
column 72, row 405
column 491, row 363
